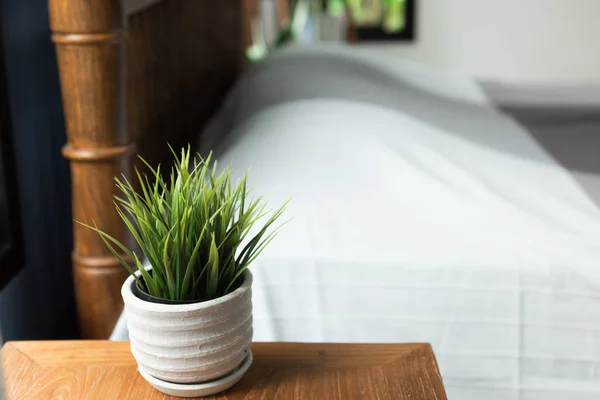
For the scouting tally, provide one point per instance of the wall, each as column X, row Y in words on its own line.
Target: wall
column 38, row 303
column 516, row 41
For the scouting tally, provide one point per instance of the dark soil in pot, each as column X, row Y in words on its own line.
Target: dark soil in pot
column 143, row 295
column 140, row 293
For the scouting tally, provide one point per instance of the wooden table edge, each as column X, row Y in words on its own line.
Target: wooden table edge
column 93, row 353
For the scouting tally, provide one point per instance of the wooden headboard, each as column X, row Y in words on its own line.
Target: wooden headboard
column 135, row 74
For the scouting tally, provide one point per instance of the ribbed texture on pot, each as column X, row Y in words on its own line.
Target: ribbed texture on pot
column 190, row 343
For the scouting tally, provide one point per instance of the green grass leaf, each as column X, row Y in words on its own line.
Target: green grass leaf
column 212, row 281
column 192, row 229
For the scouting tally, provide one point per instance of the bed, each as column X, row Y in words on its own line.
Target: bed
column 425, row 207
column 423, row 212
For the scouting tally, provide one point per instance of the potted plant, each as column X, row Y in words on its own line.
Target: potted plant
column 189, row 314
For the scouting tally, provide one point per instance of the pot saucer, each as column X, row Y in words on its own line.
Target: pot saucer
column 199, row 389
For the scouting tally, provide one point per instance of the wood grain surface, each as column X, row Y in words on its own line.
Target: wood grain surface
column 106, row 370
column 131, row 84
column 90, row 39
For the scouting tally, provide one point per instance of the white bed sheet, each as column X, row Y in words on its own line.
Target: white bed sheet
column 420, row 213
column 437, row 219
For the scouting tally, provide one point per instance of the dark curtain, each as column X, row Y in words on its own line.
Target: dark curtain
column 38, row 303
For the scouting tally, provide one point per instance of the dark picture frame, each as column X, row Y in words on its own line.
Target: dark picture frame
column 408, row 34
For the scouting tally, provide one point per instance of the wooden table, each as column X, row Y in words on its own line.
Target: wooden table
column 106, row 370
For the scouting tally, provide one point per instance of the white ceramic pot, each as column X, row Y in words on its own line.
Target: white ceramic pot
column 191, row 343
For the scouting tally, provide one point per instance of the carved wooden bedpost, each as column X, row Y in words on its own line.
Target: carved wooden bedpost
column 90, row 38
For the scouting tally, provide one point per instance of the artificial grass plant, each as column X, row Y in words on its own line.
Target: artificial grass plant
column 193, row 229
